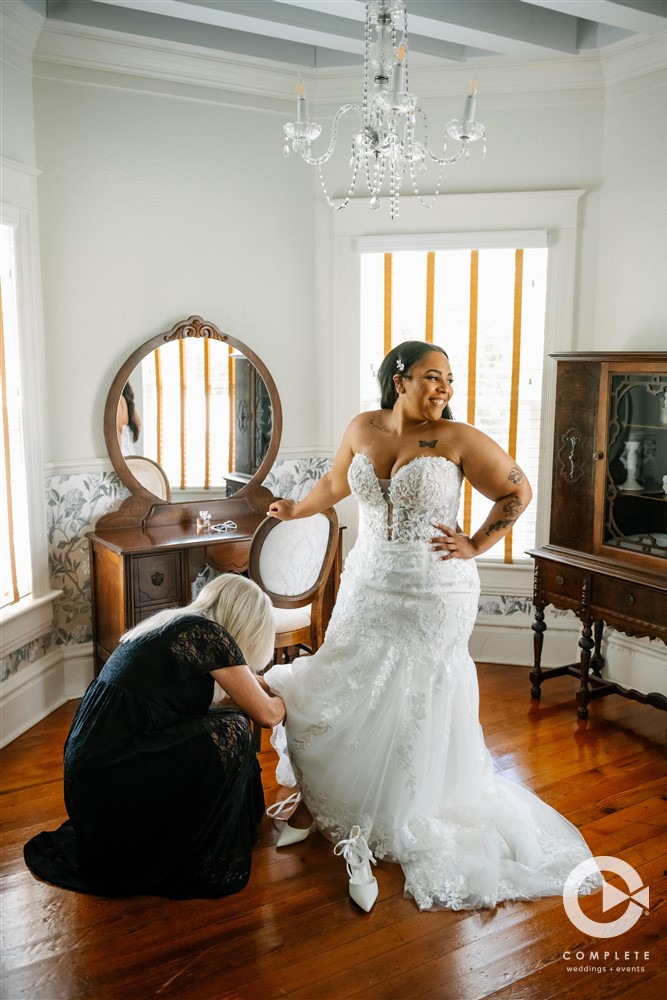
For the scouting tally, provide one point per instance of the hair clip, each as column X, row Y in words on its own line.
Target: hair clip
column 400, row 365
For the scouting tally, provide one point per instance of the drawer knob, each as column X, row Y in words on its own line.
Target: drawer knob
column 598, row 456
column 560, row 580
column 157, row 579
column 629, row 598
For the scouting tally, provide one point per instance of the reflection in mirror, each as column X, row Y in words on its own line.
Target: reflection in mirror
column 201, row 411
column 128, row 422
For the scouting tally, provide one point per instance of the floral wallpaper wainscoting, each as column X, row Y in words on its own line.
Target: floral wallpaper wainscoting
column 74, row 503
column 293, row 479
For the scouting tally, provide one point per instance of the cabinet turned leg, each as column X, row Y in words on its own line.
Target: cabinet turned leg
column 597, row 660
column 586, row 644
column 539, row 628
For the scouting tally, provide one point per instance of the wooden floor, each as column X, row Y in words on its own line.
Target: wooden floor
column 293, row 933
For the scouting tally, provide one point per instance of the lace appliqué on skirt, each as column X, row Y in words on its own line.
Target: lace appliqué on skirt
column 382, row 722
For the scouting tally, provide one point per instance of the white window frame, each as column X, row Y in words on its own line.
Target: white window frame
column 452, row 218
column 30, row 617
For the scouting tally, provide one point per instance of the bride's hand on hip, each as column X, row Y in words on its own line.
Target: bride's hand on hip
column 282, row 509
column 452, row 544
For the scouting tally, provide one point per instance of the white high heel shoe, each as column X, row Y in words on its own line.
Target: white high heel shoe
column 358, row 857
column 288, row 834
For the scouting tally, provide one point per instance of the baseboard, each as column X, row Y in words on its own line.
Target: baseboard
column 633, row 663
column 30, row 695
column 507, row 641
column 79, row 668
column 40, row 688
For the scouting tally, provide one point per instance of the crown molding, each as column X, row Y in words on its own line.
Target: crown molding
column 19, row 168
column 21, row 28
column 112, row 57
column 633, row 58
column 67, row 51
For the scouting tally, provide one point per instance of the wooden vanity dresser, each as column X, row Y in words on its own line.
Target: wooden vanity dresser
column 138, row 569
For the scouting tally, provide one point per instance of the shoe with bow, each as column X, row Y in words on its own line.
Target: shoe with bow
column 289, row 834
column 363, row 885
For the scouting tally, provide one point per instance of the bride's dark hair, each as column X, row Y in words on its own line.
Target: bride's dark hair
column 399, row 361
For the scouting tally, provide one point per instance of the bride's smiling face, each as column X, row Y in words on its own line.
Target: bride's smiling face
column 427, row 387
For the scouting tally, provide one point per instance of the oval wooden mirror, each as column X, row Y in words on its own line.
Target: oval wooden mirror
column 209, row 417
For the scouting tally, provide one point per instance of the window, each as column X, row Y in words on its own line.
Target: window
column 27, row 606
column 15, row 557
column 486, row 307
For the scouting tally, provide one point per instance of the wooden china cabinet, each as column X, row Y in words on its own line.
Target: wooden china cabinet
column 606, row 558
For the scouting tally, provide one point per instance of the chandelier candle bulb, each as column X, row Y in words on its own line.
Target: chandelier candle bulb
column 301, row 104
column 398, row 72
column 471, row 102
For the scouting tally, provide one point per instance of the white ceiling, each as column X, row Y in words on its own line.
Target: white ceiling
column 328, row 33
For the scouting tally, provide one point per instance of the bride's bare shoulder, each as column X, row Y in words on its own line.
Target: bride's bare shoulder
column 368, row 423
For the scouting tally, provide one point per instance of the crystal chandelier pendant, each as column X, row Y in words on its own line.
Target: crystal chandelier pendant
column 385, row 151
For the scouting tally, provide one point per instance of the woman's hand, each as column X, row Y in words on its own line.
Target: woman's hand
column 282, row 509
column 452, row 544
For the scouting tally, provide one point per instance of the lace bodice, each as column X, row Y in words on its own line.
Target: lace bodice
column 422, row 493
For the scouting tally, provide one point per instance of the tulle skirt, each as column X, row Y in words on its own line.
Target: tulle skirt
column 382, row 731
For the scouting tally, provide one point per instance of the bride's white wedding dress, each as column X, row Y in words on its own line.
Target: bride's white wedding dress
column 382, row 722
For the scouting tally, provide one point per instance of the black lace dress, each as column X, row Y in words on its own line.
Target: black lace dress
column 163, row 793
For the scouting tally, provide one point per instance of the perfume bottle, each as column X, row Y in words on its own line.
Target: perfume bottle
column 203, row 521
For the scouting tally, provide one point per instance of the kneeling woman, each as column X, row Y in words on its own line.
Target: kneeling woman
column 163, row 788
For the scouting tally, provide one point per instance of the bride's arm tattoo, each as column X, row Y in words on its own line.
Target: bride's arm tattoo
column 511, row 509
column 516, row 475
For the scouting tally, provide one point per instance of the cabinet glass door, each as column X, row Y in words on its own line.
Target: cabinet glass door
column 635, row 515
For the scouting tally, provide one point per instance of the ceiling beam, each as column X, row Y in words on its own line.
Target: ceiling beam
column 642, row 17
column 504, row 25
column 501, row 26
column 300, row 23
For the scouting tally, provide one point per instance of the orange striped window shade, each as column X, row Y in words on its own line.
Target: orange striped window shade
column 486, row 308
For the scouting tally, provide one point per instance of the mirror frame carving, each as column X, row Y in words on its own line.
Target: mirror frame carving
column 136, row 507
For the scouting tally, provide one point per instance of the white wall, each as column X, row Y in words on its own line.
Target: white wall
column 632, row 248
column 19, row 35
column 155, row 207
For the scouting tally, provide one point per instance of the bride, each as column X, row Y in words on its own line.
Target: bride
column 382, row 732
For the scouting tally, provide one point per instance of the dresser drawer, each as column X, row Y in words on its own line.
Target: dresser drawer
column 156, row 578
column 628, row 600
column 560, row 584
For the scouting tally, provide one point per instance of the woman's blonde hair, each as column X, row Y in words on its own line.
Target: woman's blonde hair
column 234, row 602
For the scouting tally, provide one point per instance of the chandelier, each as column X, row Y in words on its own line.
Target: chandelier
column 386, row 147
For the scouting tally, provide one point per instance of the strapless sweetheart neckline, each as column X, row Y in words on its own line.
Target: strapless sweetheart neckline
column 417, row 458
